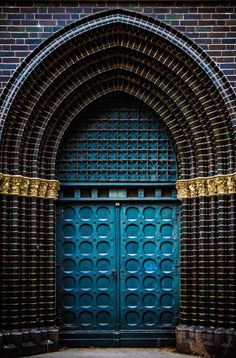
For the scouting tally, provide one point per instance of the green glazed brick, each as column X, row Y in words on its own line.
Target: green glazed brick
column 174, row 16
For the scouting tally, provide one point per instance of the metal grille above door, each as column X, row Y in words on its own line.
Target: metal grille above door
column 118, row 140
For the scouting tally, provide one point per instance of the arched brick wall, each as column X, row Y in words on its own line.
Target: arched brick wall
column 117, row 50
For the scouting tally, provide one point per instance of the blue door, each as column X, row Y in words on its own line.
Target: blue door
column 117, row 231
column 118, row 273
column 148, row 268
column 87, row 283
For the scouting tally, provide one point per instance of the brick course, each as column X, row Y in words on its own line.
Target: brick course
column 185, row 88
column 25, row 24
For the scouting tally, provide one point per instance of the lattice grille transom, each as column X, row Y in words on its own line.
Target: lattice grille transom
column 118, row 140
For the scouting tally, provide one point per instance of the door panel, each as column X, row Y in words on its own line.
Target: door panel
column 117, row 273
column 149, row 277
column 86, row 259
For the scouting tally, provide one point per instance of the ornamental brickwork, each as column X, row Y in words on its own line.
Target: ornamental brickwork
column 186, row 73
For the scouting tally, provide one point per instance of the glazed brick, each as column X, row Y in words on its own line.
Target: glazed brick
column 74, row 10
column 200, row 22
column 30, row 10
column 231, row 34
column 56, row 10
column 10, row 10
column 11, row 60
column 29, row 16
column 43, row 16
column 192, row 16
column 229, row 41
column 29, row 22
column 15, row 16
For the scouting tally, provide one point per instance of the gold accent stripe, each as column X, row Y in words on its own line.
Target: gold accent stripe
column 25, row 186
column 209, row 186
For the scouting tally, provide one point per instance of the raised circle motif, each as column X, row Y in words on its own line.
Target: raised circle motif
column 86, row 283
column 132, row 283
column 68, row 300
column 132, row 214
column 103, row 214
column 103, row 265
column 166, row 230
column 150, row 283
column 68, row 213
column 149, row 214
column 86, row 213
column 150, row 266
column 103, row 231
column 86, row 318
column 103, row 300
column 86, row 248
column 132, row 265
column 132, row 248
column 167, row 248
column 104, row 318
column 166, row 318
column 167, row 300
column 68, row 231
column 167, row 283
column 132, row 300
column 86, row 300
column 86, row 265
column 69, row 265
column 69, row 317
column 167, row 265
column 166, row 213
column 132, row 318
column 68, row 248
column 86, row 231
column 149, row 248
column 149, row 231
column 132, row 231
column 103, row 248
column 149, row 300
column 149, row 319
column 68, row 283
column 103, row 283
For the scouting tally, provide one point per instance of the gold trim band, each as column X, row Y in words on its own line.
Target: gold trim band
column 32, row 187
column 209, row 186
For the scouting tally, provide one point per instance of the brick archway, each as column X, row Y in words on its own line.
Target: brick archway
column 118, row 50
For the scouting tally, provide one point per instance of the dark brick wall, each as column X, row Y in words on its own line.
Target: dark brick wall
column 25, row 24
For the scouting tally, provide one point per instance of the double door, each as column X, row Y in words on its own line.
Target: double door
column 117, row 273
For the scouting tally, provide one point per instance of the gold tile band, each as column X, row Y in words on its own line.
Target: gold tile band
column 209, row 186
column 25, row 186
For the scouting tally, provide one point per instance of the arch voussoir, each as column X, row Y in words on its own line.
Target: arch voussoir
column 118, row 51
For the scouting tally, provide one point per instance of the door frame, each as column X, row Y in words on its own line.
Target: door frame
column 114, row 338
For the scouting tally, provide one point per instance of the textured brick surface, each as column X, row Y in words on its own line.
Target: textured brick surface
column 25, row 24
column 192, row 99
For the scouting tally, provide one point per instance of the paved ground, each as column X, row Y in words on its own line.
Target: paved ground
column 115, row 353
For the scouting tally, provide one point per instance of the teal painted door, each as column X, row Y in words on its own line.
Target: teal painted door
column 118, row 279
column 86, row 264
column 148, row 266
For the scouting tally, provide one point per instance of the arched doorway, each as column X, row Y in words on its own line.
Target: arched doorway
column 111, row 51
column 118, row 228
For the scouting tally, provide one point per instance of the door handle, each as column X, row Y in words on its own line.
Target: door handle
column 122, row 274
column 113, row 275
